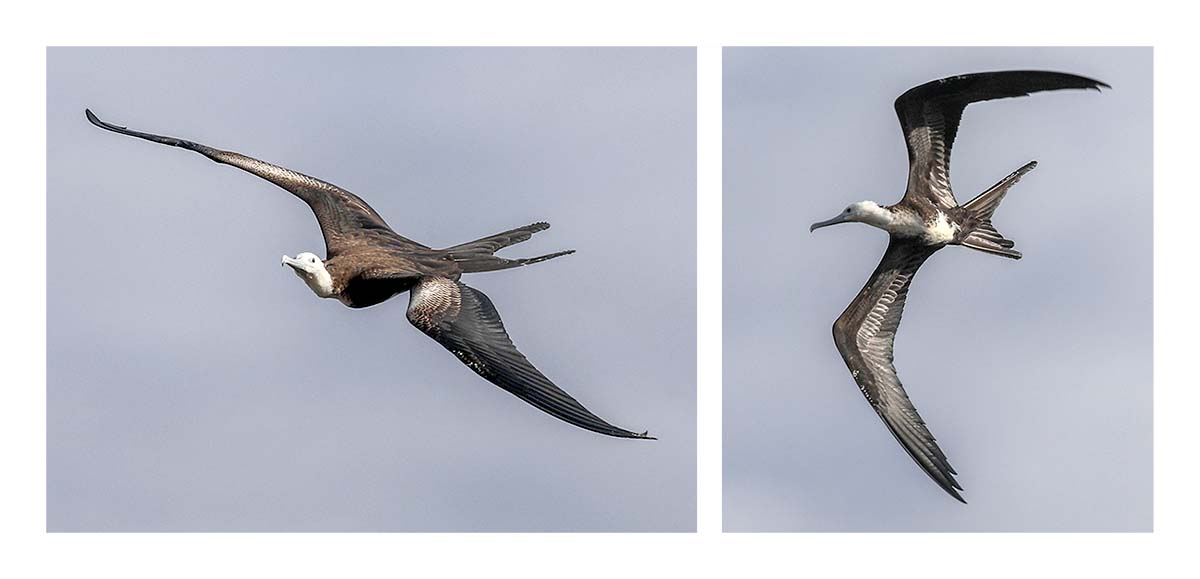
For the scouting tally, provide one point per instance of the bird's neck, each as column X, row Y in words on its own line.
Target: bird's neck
column 882, row 217
column 321, row 283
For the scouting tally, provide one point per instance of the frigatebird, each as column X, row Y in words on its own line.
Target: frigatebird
column 367, row 263
column 925, row 220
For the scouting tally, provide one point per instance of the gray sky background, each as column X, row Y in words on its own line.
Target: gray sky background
column 194, row 384
column 1049, row 426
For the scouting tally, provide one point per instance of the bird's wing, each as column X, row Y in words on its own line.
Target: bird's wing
column 463, row 320
column 342, row 215
column 930, row 113
column 865, row 334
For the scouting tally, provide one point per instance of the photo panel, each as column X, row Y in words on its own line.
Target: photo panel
column 1034, row 375
column 197, row 382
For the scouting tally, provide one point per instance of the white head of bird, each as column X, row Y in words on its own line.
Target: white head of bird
column 311, row 269
column 868, row 212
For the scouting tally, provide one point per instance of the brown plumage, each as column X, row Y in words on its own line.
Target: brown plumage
column 368, row 263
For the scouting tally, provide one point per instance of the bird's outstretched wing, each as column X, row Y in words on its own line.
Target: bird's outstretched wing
column 865, row 334
column 930, row 113
column 345, row 219
column 463, row 320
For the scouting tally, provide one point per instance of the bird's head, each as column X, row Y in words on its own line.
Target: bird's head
column 868, row 212
column 311, row 269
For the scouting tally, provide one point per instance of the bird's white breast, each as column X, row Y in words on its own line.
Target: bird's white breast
column 937, row 231
column 940, row 230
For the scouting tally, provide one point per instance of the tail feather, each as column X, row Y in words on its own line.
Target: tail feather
column 992, row 248
column 986, row 232
column 984, row 237
column 986, row 203
column 541, row 258
column 477, row 256
column 493, row 243
column 482, row 263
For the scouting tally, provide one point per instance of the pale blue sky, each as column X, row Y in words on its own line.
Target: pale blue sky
column 194, row 384
column 1049, row 425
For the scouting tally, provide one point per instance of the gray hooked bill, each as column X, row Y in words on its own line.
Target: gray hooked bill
column 841, row 218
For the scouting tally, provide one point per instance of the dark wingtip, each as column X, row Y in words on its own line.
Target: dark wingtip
column 952, row 487
column 92, row 118
column 618, row 432
column 1096, row 84
column 1087, row 82
column 1092, row 83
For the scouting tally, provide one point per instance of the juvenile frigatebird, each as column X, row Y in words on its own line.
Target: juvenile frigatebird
column 367, row 263
column 927, row 219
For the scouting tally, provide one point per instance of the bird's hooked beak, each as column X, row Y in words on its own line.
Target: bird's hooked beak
column 294, row 263
column 841, row 218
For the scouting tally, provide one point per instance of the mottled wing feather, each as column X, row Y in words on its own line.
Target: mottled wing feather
column 930, row 137
column 930, row 115
column 464, row 321
column 865, row 335
column 345, row 219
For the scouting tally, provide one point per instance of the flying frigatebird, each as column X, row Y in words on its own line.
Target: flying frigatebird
column 367, row 263
column 927, row 219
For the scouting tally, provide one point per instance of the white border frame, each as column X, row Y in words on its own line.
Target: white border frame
column 29, row 551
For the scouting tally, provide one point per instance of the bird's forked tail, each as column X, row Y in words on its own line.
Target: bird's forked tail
column 984, row 236
column 476, row 256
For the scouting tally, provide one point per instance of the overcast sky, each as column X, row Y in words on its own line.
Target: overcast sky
column 1035, row 375
column 195, row 385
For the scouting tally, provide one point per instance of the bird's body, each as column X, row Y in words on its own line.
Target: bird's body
column 365, row 278
column 927, row 219
column 368, row 263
